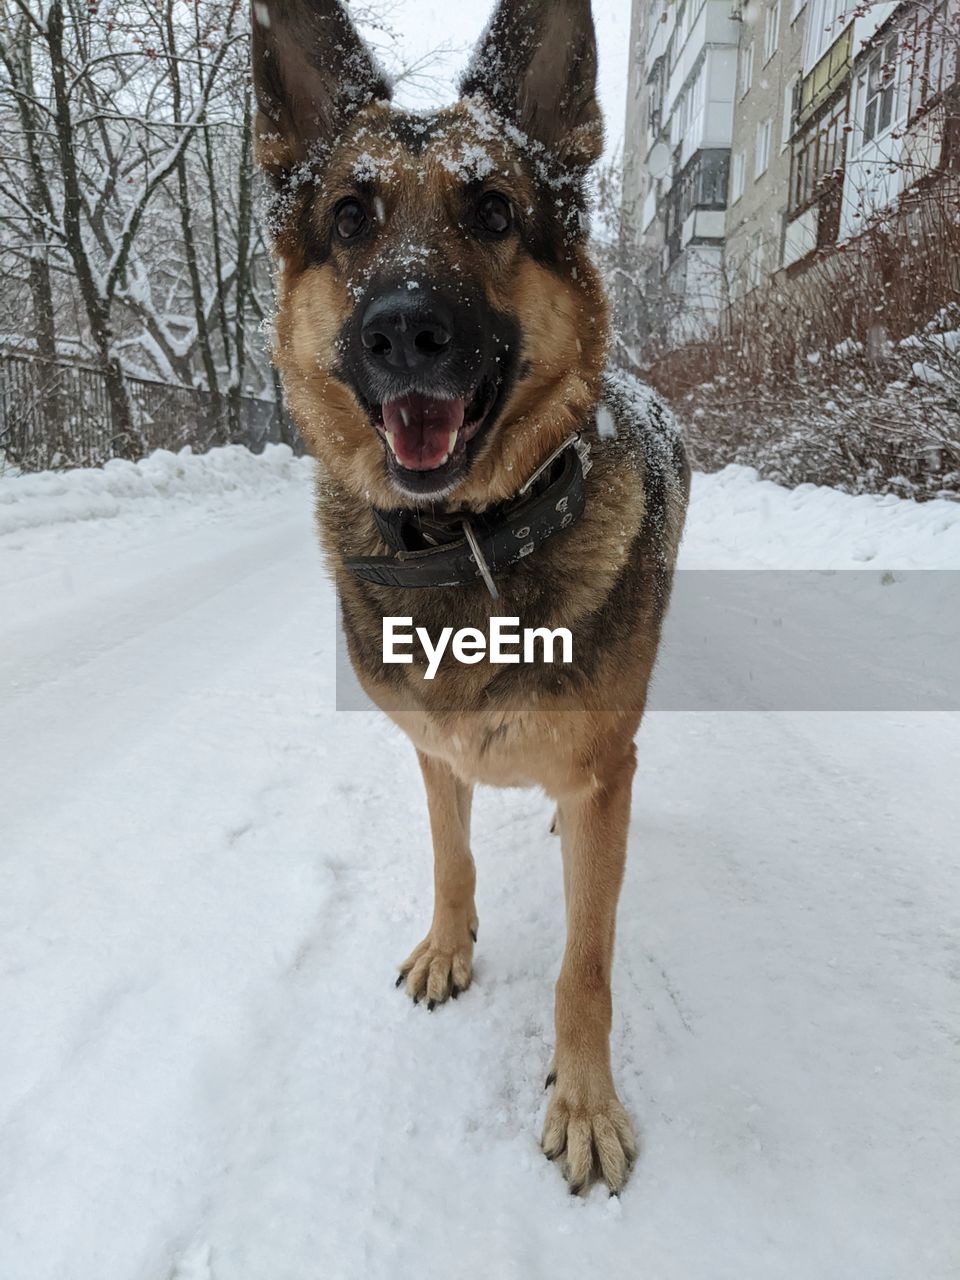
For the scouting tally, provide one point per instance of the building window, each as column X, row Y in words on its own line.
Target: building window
column 674, row 48
column 655, row 84
column 764, row 131
column 702, row 185
column 826, row 23
column 790, row 104
column 877, row 91
column 818, row 159
column 931, row 58
column 771, row 31
column 715, row 180
column 695, row 95
column 738, row 180
column 746, row 70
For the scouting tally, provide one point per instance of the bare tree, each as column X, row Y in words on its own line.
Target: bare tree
column 104, row 126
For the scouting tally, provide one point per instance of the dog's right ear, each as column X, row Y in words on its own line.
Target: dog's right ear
column 536, row 64
column 311, row 73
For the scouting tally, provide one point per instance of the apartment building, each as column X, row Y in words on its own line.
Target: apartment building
column 761, row 131
column 873, row 115
column 903, row 105
column 640, row 227
column 770, row 56
column 677, row 152
column 820, row 128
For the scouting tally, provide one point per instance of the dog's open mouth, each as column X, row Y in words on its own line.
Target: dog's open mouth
column 427, row 437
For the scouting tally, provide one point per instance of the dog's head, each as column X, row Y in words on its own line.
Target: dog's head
column 440, row 325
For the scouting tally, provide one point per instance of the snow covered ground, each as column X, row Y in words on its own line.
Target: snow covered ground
column 207, row 876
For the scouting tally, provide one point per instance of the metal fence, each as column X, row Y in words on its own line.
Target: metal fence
column 57, row 415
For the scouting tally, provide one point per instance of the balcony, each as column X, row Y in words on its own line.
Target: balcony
column 696, row 202
column 826, row 78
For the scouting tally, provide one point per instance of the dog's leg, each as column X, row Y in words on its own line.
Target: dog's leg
column 586, row 1123
column 441, row 965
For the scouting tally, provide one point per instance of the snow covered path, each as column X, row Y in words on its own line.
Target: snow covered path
column 207, row 876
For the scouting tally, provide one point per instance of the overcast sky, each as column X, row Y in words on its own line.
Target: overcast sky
column 425, row 24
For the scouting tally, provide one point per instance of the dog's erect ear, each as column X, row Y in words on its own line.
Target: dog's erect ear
column 536, row 64
column 311, row 73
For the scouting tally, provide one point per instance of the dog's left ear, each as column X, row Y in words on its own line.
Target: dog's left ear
column 536, row 64
column 311, row 73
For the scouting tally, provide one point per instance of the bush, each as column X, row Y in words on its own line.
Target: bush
column 847, row 374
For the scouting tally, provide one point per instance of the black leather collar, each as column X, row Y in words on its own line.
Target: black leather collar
column 460, row 548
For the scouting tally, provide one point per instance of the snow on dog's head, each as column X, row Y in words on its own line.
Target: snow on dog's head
column 440, row 325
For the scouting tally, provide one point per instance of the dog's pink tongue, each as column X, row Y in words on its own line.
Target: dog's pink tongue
column 420, row 431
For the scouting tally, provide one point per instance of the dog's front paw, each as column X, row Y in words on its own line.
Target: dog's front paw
column 441, row 966
column 588, row 1131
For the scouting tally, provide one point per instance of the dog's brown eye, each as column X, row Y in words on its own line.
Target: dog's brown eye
column 350, row 218
column 494, row 214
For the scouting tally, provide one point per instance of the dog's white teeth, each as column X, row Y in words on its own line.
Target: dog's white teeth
column 405, row 415
column 453, row 436
column 451, row 445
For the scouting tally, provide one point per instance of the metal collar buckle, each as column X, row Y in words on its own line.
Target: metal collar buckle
column 578, row 443
column 479, row 560
column 575, row 441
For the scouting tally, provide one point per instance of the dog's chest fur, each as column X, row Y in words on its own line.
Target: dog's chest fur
column 606, row 580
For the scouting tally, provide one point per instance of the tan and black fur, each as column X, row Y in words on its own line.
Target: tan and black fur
column 527, row 124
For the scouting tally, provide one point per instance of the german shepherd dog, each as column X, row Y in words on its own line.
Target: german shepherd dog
column 442, row 336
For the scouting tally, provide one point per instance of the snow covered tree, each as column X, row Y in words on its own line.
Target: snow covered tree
column 126, row 197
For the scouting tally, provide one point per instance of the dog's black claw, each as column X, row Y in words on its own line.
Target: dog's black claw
column 431, row 1005
column 554, row 1154
column 454, row 992
column 473, row 934
column 576, row 1188
column 400, row 981
column 551, row 1079
column 614, row 1195
column 416, row 999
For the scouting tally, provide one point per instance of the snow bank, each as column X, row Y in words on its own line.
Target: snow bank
column 56, row 497
column 736, row 519
column 739, row 521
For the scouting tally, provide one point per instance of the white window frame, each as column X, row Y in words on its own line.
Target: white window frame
column 761, row 160
column 878, row 90
column 771, row 31
column 789, row 95
column 796, row 8
column 746, row 70
column 826, row 23
column 700, row 88
column 738, row 176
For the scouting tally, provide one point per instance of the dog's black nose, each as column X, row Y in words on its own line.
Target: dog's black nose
column 399, row 331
